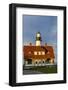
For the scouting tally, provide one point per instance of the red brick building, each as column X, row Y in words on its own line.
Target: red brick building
column 38, row 54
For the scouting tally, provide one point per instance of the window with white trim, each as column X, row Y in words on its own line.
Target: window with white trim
column 43, row 53
column 35, row 53
column 39, row 53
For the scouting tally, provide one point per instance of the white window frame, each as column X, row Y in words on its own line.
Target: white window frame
column 39, row 53
column 43, row 53
column 35, row 52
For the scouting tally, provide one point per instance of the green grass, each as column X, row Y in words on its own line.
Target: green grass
column 45, row 69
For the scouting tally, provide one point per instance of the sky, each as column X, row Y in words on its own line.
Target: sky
column 46, row 25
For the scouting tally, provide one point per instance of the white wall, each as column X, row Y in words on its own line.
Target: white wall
column 4, row 47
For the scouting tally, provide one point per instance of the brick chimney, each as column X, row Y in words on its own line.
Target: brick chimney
column 30, row 44
column 45, row 44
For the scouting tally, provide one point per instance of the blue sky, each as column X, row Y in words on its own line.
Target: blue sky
column 46, row 25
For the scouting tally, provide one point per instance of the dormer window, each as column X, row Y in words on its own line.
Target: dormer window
column 43, row 53
column 35, row 53
column 48, row 52
column 39, row 53
column 29, row 52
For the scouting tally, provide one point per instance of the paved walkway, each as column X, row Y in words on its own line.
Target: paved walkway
column 31, row 72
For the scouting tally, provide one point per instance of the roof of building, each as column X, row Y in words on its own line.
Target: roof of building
column 29, row 52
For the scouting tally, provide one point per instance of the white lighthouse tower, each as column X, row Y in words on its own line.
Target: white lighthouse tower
column 38, row 39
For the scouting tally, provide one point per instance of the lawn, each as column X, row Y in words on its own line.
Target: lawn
column 45, row 69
